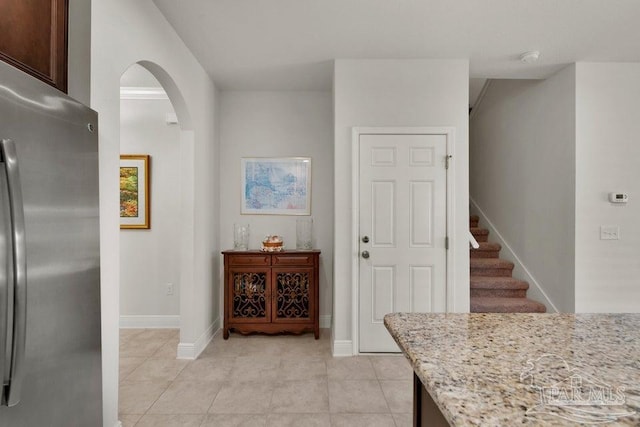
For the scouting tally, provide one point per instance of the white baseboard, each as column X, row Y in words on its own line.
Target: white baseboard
column 144, row 321
column 535, row 290
column 342, row 348
column 191, row 351
column 118, row 424
column 325, row 321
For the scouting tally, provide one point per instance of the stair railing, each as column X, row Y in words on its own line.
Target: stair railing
column 472, row 241
column 480, row 98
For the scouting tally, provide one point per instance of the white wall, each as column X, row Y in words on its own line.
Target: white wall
column 150, row 259
column 125, row 32
column 79, row 51
column 396, row 93
column 522, row 167
column 279, row 124
column 607, row 159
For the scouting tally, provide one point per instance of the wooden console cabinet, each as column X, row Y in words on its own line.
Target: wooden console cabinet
column 271, row 292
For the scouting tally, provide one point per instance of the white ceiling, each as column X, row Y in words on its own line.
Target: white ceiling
column 290, row 44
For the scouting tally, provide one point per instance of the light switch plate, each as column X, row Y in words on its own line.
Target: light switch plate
column 609, row 232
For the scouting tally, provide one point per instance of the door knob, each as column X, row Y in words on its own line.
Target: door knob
column 365, row 239
column 365, row 254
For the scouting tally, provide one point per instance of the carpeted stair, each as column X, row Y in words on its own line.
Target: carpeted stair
column 493, row 289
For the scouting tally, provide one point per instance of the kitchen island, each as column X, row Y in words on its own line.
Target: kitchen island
column 522, row 369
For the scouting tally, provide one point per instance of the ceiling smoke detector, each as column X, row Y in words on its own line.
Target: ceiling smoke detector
column 530, row 57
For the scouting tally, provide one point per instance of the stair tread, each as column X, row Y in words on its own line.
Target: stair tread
column 490, row 263
column 489, row 282
column 493, row 290
column 478, row 230
column 488, row 246
column 506, row 305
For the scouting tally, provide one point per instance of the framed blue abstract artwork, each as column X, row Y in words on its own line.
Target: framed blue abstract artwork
column 276, row 186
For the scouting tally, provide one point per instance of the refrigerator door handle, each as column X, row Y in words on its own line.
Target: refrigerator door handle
column 6, row 283
column 13, row 389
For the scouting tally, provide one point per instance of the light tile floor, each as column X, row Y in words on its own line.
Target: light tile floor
column 258, row 381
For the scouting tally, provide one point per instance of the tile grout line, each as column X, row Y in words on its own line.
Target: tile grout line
column 328, row 393
column 223, row 384
column 154, row 402
column 163, row 391
column 266, row 421
column 378, row 376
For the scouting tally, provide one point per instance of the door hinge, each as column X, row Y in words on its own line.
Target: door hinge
column 446, row 243
column 447, row 159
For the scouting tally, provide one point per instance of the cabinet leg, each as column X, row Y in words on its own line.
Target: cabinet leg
column 225, row 333
column 316, row 333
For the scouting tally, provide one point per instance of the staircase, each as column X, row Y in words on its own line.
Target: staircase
column 493, row 289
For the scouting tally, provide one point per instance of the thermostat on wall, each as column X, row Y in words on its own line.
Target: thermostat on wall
column 618, row 197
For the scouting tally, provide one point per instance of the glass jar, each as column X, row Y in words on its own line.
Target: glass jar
column 241, row 237
column 304, row 235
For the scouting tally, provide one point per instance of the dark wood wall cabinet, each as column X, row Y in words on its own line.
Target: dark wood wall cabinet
column 271, row 292
column 34, row 38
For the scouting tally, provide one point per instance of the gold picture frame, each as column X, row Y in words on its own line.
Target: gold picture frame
column 135, row 209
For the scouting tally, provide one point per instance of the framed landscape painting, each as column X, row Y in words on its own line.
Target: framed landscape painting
column 276, row 186
column 134, row 191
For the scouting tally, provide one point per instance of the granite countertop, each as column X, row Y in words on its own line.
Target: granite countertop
column 526, row 369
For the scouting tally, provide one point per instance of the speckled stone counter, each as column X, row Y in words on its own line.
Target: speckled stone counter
column 526, row 369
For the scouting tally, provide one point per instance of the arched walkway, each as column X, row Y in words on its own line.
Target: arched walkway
column 124, row 33
column 185, row 162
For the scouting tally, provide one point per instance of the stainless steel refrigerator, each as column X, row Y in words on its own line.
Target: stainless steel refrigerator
column 50, row 359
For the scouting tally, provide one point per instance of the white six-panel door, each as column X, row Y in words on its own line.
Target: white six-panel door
column 402, row 225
